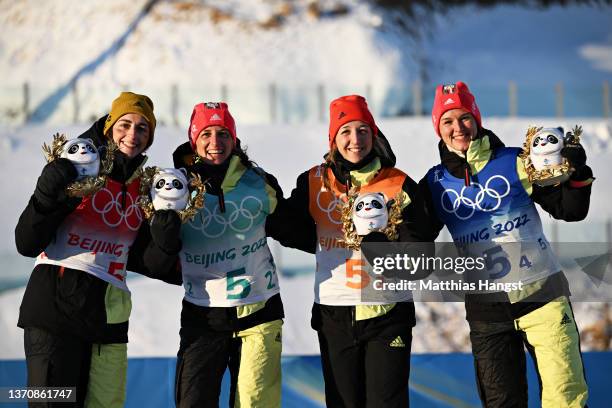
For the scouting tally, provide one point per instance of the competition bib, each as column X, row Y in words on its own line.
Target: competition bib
column 96, row 237
column 342, row 274
column 494, row 218
column 225, row 257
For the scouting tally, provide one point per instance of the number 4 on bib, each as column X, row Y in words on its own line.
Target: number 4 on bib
column 524, row 263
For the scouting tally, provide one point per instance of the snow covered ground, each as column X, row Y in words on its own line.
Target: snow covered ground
column 285, row 151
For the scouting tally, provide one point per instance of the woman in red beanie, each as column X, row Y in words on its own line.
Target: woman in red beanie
column 76, row 306
column 232, row 310
column 365, row 345
column 479, row 186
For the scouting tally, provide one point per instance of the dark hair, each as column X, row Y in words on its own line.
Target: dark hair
column 241, row 152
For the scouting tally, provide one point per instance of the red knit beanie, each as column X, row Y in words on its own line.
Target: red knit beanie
column 453, row 96
column 347, row 109
column 210, row 114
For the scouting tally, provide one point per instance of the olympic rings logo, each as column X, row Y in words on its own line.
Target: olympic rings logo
column 112, row 211
column 461, row 201
column 332, row 209
column 239, row 218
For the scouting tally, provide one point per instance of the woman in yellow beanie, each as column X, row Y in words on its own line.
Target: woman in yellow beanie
column 76, row 306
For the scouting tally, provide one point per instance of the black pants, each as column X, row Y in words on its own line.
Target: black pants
column 56, row 361
column 551, row 337
column 252, row 356
column 366, row 363
column 500, row 364
column 202, row 359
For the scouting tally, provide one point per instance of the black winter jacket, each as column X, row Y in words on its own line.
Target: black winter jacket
column 67, row 301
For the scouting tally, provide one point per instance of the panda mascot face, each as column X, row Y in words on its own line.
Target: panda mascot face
column 170, row 190
column 84, row 155
column 545, row 150
column 370, row 213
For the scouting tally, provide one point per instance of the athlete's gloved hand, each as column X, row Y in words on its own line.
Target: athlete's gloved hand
column 370, row 251
column 51, row 186
column 575, row 155
column 166, row 230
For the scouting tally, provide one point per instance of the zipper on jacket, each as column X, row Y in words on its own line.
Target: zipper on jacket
column 354, row 324
column 467, row 173
column 221, row 201
column 123, row 192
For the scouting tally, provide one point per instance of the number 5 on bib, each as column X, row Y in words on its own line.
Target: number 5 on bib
column 242, row 285
column 356, row 276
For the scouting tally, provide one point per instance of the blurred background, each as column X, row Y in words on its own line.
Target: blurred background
column 278, row 63
column 282, row 60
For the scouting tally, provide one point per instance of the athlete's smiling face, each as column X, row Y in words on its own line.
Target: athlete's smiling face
column 131, row 133
column 354, row 140
column 458, row 128
column 214, row 144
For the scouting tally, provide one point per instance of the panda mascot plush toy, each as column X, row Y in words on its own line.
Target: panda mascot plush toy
column 170, row 190
column 84, row 155
column 546, row 148
column 370, row 213
column 364, row 213
column 542, row 157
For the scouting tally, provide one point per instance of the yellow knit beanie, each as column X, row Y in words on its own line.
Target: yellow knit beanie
column 129, row 102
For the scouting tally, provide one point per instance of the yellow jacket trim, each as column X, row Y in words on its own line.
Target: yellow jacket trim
column 246, row 310
column 363, row 312
column 478, row 154
column 522, row 173
column 118, row 304
column 235, row 170
column 366, row 173
column 271, row 197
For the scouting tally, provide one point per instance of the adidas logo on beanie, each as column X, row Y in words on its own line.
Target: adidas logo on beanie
column 210, row 114
column 453, row 96
column 347, row 109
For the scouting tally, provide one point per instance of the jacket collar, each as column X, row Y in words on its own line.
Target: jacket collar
column 233, row 174
column 476, row 158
